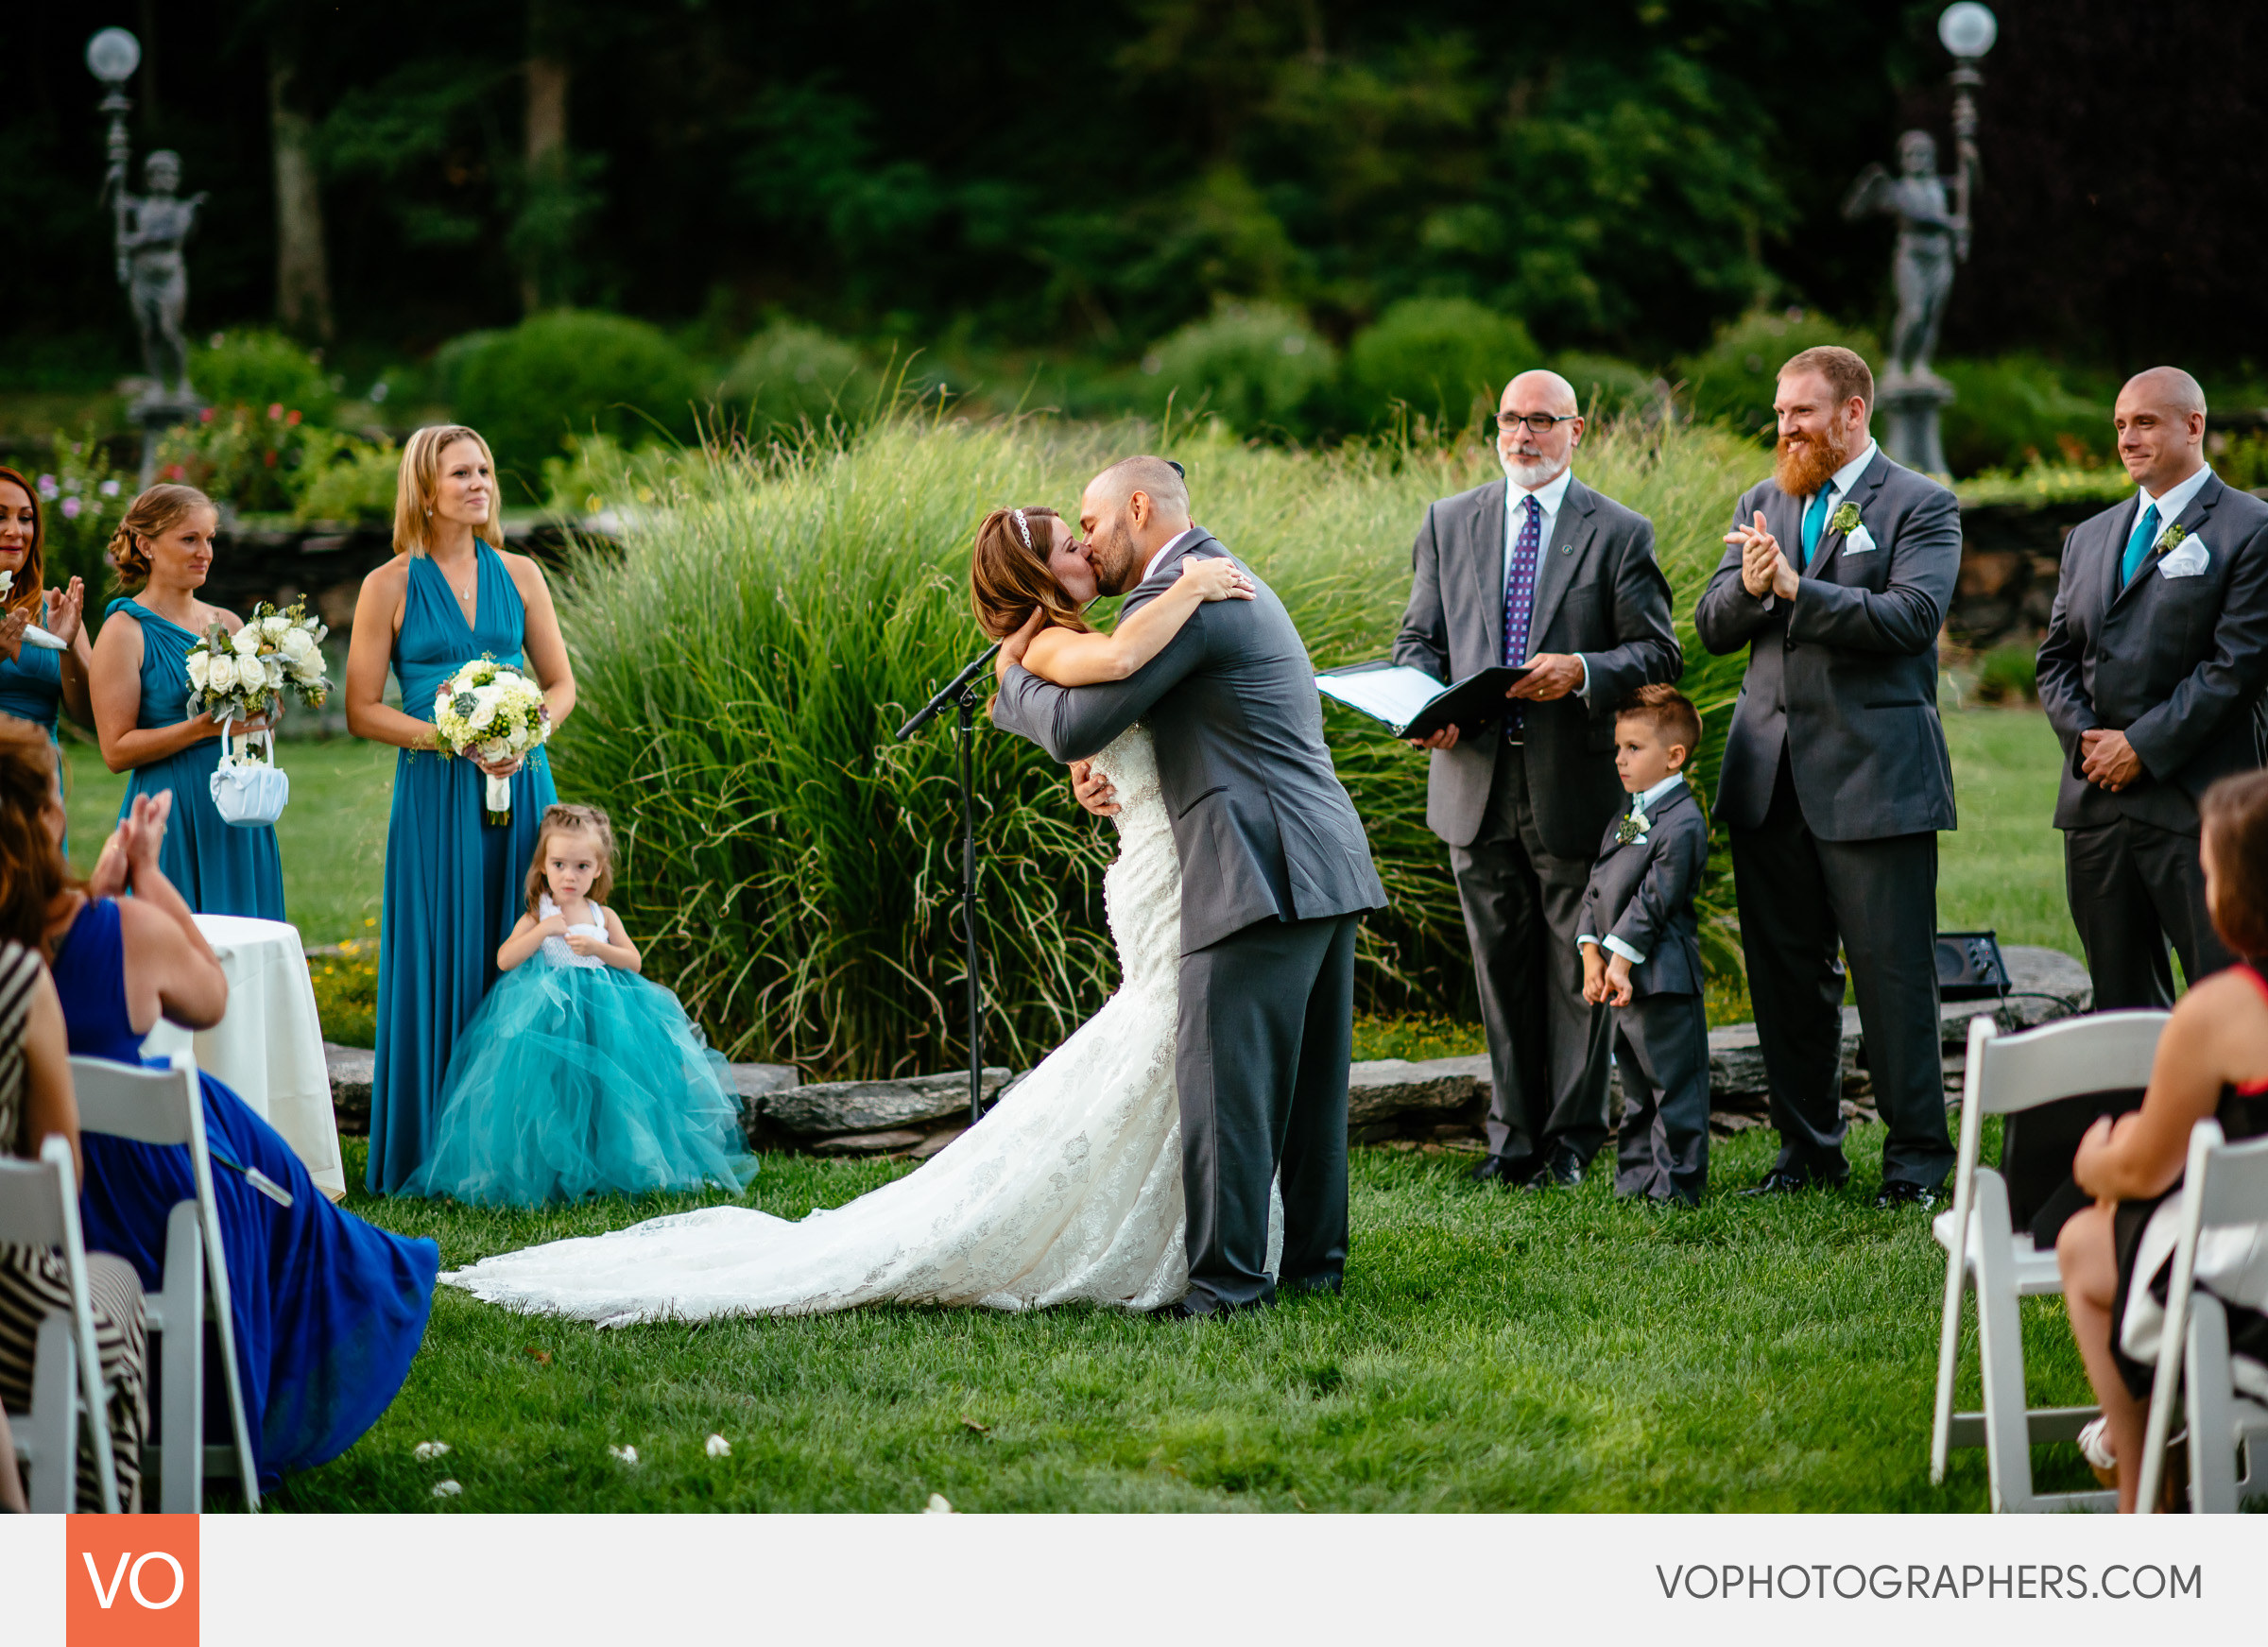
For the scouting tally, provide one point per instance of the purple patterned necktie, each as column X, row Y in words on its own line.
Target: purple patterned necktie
column 1519, row 595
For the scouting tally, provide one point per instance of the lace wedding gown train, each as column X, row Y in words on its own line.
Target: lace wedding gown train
column 1070, row 1188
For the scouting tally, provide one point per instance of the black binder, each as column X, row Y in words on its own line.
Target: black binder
column 1471, row 702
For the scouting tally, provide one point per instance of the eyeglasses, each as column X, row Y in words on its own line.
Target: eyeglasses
column 1541, row 422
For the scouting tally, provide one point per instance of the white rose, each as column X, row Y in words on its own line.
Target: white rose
column 309, row 668
column 275, row 626
column 248, row 641
column 220, row 675
column 296, row 644
column 200, row 664
column 278, row 674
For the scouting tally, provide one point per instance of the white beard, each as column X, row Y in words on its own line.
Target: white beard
column 1528, row 473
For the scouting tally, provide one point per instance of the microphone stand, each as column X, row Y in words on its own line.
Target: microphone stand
column 961, row 692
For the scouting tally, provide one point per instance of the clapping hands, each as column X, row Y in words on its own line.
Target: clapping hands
column 133, row 849
column 1763, row 569
column 64, row 609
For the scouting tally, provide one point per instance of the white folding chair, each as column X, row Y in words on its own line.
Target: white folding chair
column 166, row 1106
column 2007, row 1075
column 2226, row 1184
column 39, row 1207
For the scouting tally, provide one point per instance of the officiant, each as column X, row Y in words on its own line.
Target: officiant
column 1535, row 569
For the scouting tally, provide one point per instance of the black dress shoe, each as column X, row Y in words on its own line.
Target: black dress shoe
column 1503, row 1169
column 1561, row 1170
column 1325, row 1285
column 1780, row 1181
column 1903, row 1194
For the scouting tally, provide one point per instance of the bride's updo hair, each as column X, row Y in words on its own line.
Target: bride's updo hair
column 1008, row 576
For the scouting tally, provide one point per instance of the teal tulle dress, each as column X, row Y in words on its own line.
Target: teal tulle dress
column 577, row 1079
column 31, row 688
column 455, row 884
column 220, row 868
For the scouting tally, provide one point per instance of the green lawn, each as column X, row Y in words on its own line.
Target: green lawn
column 332, row 835
column 1492, row 1351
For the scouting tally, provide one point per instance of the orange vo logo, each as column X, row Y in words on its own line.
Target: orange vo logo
column 130, row 1581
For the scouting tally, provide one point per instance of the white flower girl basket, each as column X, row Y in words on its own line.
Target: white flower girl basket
column 250, row 789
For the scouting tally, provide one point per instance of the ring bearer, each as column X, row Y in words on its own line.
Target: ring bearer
column 1642, row 950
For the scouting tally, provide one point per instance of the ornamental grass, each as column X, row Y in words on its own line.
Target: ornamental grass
column 773, row 612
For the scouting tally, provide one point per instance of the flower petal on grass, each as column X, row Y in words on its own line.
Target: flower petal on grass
column 446, row 1489
column 939, row 1505
column 719, row 1446
column 627, row 1454
column 428, row 1449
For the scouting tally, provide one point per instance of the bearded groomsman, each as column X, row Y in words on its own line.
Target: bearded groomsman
column 1836, row 777
column 1535, row 569
column 2152, row 673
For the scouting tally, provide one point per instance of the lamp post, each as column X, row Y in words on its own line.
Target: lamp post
column 147, row 234
column 1966, row 30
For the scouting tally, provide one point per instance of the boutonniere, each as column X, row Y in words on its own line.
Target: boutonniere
column 2172, row 540
column 1632, row 826
column 1844, row 520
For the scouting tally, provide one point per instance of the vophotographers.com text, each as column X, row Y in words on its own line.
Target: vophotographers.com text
column 1914, row 1581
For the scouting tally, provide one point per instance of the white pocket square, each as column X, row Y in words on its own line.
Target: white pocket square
column 2187, row 559
column 1860, row 541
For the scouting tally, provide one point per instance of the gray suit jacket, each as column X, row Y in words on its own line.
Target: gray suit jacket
column 2176, row 664
column 1599, row 593
column 1642, row 893
column 1844, row 676
column 1264, row 827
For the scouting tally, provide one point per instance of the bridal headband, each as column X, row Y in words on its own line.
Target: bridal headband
column 1023, row 528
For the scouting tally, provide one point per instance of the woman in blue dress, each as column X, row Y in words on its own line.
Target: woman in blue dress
column 36, row 683
column 328, row 1311
column 452, row 879
column 163, row 547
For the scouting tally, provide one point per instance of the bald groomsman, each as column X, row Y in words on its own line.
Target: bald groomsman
column 1836, row 780
column 2152, row 673
column 1535, row 569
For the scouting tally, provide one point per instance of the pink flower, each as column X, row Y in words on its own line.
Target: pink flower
column 205, row 415
column 291, row 418
column 46, row 486
column 71, row 509
column 275, row 410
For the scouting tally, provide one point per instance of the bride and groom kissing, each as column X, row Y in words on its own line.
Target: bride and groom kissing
column 1184, row 1152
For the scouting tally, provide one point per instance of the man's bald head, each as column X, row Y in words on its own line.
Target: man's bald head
column 1541, row 391
column 1532, row 456
column 2161, row 425
column 1128, row 512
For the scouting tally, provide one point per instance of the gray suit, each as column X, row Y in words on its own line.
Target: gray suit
column 1275, row 872
column 1835, row 779
column 1523, row 819
column 1641, row 894
column 2178, row 665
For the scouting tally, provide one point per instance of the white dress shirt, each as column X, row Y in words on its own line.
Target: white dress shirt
column 1548, row 496
column 1639, row 803
column 1159, row 559
column 2177, row 499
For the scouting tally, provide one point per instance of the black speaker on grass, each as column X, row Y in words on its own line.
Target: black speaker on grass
column 1970, row 967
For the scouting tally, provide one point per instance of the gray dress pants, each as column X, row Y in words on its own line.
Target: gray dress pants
column 1547, row 1046
column 2133, row 886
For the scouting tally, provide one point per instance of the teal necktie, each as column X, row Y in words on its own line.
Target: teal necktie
column 1815, row 525
column 2138, row 546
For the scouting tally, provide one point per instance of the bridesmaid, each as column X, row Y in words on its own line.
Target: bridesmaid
column 36, row 683
column 452, row 880
column 140, row 693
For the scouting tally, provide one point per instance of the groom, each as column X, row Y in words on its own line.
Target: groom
column 1274, row 875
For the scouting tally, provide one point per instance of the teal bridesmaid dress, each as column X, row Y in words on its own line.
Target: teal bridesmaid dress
column 31, row 686
column 455, row 884
column 220, row 868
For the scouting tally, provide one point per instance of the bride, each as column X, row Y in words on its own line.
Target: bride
column 1070, row 1188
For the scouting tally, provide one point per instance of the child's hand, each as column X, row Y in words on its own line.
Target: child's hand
column 553, row 926
column 582, row 943
column 1617, row 982
column 1594, row 976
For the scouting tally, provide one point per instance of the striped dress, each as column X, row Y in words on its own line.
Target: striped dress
column 33, row 1280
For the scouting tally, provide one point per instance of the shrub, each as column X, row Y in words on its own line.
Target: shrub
column 1733, row 380
column 346, row 993
column 778, row 611
column 261, row 370
column 1258, row 368
column 80, row 501
column 791, row 374
column 2017, row 411
column 2008, row 675
column 1446, row 359
column 255, row 461
column 355, row 483
column 569, row 372
column 1608, row 387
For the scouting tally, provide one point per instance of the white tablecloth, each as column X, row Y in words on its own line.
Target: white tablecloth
column 269, row 1046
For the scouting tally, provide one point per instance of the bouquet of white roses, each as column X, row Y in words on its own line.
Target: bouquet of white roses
column 243, row 676
column 494, row 713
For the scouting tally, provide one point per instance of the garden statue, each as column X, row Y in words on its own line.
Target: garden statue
column 150, row 229
column 1932, row 235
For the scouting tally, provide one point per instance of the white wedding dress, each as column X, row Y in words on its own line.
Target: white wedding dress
column 1070, row 1188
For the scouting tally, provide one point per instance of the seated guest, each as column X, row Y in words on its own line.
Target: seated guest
column 2212, row 1061
column 36, row 1104
column 1642, row 950
column 328, row 1311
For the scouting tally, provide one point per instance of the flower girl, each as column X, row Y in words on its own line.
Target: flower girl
column 577, row 1076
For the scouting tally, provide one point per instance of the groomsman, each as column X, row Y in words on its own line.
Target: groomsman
column 1535, row 569
column 1836, row 777
column 2152, row 673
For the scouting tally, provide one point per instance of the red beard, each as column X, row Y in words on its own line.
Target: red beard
column 1802, row 469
